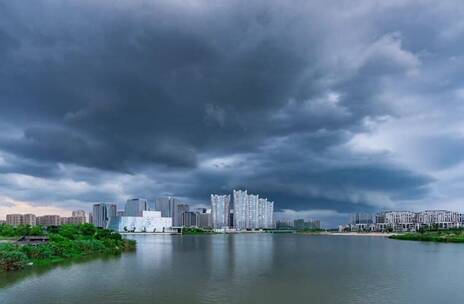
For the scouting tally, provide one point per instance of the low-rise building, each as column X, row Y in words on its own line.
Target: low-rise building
column 150, row 221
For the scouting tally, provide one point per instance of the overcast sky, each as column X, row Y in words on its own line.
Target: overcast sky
column 325, row 107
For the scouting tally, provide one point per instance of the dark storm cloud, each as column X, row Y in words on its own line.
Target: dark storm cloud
column 166, row 89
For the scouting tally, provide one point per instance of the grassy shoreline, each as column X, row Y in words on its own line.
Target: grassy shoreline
column 441, row 236
column 66, row 242
column 196, row 231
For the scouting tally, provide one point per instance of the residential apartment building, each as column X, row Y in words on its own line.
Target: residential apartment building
column 14, row 219
column 49, row 220
column 401, row 221
column 220, row 210
column 251, row 211
column 441, row 219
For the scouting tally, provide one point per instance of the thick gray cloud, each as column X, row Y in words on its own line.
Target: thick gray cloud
column 316, row 105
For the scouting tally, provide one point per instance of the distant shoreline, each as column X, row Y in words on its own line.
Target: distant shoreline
column 371, row 234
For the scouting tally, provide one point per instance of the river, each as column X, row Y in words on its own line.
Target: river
column 251, row 268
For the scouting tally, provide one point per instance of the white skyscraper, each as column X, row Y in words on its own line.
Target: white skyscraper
column 240, row 207
column 252, row 212
column 262, row 208
column 220, row 210
column 269, row 215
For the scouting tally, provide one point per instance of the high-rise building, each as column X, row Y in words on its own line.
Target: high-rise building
column 190, row 219
column 169, row 207
column 265, row 213
column 240, row 207
column 220, row 210
column 178, row 219
column 441, row 219
column 204, row 218
column 80, row 213
column 361, row 218
column 152, row 205
column 102, row 212
column 74, row 220
column 299, row 224
column 135, row 207
column 79, row 217
column 29, row 219
column 269, row 220
column 14, row 219
column 252, row 212
column 112, row 210
column 49, row 220
column 163, row 204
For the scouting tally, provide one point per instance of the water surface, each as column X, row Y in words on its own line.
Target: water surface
column 252, row 268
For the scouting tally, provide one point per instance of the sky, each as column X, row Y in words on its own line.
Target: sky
column 324, row 107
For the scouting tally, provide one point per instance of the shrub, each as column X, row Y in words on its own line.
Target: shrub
column 12, row 259
column 37, row 252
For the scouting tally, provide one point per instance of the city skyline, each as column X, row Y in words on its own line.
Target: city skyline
column 327, row 108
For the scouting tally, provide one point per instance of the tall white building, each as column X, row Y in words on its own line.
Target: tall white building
column 400, row 220
column 269, row 215
column 440, row 218
column 240, row 207
column 252, row 212
column 220, row 210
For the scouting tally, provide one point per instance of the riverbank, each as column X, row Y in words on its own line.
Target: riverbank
column 65, row 242
column 196, row 231
column 442, row 236
column 368, row 234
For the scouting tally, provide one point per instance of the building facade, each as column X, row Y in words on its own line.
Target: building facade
column 169, row 207
column 240, row 209
column 49, row 220
column 251, row 211
column 102, row 212
column 440, row 219
column 220, row 210
column 190, row 219
column 150, row 221
column 204, row 218
column 14, row 219
column 135, row 207
column 178, row 219
column 401, row 221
